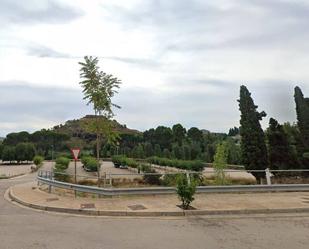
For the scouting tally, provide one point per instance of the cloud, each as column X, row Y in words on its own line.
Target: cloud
column 28, row 107
column 195, row 26
column 36, row 12
column 46, row 52
column 141, row 62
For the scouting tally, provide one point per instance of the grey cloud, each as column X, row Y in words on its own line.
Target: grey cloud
column 25, row 106
column 141, row 62
column 43, row 51
column 143, row 108
column 195, row 26
column 30, row 12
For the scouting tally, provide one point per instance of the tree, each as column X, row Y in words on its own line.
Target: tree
column 253, row 147
column 279, row 151
column 99, row 88
column 302, row 111
column 195, row 134
column 157, row 150
column 148, row 149
column 233, row 132
column 163, row 136
column 21, row 152
column 179, row 133
column 8, row 153
column 234, row 152
column 220, row 161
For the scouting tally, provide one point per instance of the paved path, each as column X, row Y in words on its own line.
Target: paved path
column 157, row 205
column 28, row 229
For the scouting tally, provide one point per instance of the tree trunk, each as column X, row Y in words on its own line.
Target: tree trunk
column 98, row 146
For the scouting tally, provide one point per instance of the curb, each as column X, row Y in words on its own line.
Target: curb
column 182, row 213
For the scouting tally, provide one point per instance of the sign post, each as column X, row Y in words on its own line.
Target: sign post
column 75, row 153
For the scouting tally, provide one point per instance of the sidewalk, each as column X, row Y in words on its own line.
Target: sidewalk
column 161, row 205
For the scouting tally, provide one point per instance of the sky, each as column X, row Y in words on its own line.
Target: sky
column 179, row 61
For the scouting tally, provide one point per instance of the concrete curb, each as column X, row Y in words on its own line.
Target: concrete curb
column 90, row 212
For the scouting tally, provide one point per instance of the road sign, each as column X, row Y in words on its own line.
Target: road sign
column 75, row 152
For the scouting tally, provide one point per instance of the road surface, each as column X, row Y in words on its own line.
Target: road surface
column 22, row 228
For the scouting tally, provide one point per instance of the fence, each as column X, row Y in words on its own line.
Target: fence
column 47, row 177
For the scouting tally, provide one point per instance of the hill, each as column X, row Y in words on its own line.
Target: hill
column 76, row 129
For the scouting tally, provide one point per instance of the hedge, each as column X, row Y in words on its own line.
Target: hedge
column 90, row 163
column 123, row 160
column 195, row 165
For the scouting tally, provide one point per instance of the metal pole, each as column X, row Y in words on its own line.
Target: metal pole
column 75, row 180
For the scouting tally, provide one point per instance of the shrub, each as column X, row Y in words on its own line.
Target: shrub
column 90, row 163
column 170, row 180
column 150, row 179
column 195, row 165
column 123, row 160
column 62, row 162
column 185, row 190
column 38, row 161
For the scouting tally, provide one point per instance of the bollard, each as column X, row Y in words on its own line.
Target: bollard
column 268, row 175
column 188, row 178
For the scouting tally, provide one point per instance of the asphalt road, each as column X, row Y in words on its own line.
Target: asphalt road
column 22, row 228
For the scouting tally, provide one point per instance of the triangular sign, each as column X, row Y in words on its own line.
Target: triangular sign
column 75, row 153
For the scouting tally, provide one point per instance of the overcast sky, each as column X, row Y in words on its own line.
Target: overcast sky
column 180, row 61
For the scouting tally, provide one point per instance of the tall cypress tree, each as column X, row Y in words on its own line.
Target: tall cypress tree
column 253, row 147
column 279, row 150
column 302, row 111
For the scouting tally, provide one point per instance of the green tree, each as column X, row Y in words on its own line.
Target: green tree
column 220, row 162
column 148, row 149
column 253, row 147
column 302, row 111
column 279, row 150
column 21, row 152
column 179, row 133
column 234, row 152
column 99, row 88
column 233, row 132
column 8, row 153
column 166, row 153
column 195, row 134
column 157, row 150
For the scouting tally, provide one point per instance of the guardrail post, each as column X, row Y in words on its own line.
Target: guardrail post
column 268, row 175
column 188, row 178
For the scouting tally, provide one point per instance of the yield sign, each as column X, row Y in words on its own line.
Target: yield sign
column 75, row 153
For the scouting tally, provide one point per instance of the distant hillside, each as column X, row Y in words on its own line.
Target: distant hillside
column 75, row 128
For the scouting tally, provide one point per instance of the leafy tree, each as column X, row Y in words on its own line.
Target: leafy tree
column 21, row 152
column 220, row 162
column 253, row 147
column 187, row 152
column 148, row 149
column 8, row 153
column 177, row 151
column 195, row 134
column 166, row 153
column 195, row 150
column 157, row 150
column 99, row 88
column 234, row 152
column 18, row 137
column 163, row 136
column 179, row 133
column 280, row 155
column 233, row 132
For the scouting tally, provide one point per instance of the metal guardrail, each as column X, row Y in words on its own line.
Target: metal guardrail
column 48, row 179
